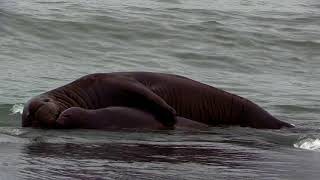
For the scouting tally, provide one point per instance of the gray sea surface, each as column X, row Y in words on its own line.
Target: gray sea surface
column 266, row 51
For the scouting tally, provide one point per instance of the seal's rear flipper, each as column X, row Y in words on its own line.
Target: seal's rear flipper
column 268, row 122
column 287, row 125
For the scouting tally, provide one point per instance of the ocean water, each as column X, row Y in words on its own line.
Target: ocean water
column 266, row 51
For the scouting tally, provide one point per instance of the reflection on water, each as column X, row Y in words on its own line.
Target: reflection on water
column 139, row 153
column 116, row 159
column 219, row 153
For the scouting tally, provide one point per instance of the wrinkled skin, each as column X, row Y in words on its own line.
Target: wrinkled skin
column 164, row 96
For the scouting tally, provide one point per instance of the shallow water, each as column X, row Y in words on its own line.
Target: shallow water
column 266, row 51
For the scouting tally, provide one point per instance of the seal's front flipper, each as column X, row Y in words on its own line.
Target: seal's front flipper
column 131, row 93
column 71, row 118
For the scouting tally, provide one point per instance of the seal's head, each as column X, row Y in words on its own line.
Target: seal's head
column 40, row 111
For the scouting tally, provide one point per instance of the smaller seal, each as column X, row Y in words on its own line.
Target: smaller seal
column 114, row 117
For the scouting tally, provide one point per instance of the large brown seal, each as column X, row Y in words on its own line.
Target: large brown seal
column 165, row 96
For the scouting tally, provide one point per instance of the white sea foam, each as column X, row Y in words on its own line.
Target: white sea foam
column 11, row 131
column 309, row 144
column 17, row 108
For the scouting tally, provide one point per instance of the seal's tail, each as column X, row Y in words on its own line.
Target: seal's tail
column 287, row 125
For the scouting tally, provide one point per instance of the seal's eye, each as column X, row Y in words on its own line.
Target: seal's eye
column 46, row 100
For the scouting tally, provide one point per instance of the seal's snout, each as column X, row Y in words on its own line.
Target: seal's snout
column 26, row 122
column 29, row 111
column 39, row 112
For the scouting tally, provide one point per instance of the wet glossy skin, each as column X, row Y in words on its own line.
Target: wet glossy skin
column 164, row 96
